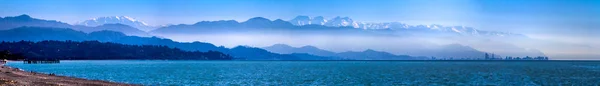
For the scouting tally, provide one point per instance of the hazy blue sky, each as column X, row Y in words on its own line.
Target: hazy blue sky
column 575, row 22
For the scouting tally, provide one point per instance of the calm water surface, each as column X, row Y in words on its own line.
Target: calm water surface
column 377, row 73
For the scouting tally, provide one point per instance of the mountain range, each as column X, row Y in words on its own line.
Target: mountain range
column 348, row 22
column 26, row 20
column 345, row 26
column 337, row 25
column 63, row 34
column 455, row 51
column 239, row 52
column 363, row 55
column 54, row 30
column 299, row 22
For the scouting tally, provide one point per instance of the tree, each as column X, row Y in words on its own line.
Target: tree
column 94, row 50
column 10, row 56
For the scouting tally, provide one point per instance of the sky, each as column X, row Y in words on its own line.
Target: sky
column 497, row 15
column 566, row 21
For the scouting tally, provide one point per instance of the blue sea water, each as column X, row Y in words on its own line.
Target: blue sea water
column 378, row 73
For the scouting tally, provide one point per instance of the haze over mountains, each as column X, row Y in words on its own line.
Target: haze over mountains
column 63, row 34
column 311, row 30
column 411, row 39
column 362, row 55
column 447, row 51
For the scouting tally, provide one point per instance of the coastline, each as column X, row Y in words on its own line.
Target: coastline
column 16, row 77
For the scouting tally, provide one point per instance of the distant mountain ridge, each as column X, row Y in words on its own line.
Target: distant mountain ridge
column 362, row 55
column 305, row 20
column 62, row 34
column 455, row 51
column 27, row 21
column 376, row 55
column 121, row 28
column 299, row 22
column 318, row 24
column 348, row 22
column 257, row 24
column 315, row 25
column 286, row 49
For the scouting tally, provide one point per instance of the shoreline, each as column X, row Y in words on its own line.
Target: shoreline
column 10, row 76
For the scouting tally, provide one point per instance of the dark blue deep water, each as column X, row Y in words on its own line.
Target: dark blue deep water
column 376, row 73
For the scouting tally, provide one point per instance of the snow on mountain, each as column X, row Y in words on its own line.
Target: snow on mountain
column 342, row 22
column 348, row 22
column 386, row 25
column 305, row 20
column 463, row 30
column 301, row 20
column 117, row 19
column 320, row 20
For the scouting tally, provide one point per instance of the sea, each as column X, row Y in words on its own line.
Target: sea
column 286, row 73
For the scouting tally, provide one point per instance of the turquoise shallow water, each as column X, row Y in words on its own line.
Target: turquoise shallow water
column 154, row 72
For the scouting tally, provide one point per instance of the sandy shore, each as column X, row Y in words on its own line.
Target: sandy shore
column 16, row 77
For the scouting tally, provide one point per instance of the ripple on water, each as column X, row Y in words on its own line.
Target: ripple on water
column 326, row 72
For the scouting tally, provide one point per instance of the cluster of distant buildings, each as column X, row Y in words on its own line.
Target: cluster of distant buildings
column 493, row 57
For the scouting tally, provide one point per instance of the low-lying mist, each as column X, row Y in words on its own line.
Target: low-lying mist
column 416, row 45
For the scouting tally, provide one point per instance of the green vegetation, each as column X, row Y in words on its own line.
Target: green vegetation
column 94, row 50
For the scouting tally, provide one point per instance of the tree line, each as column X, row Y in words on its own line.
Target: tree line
column 95, row 50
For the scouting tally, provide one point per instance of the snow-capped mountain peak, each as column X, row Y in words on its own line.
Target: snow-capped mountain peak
column 117, row 18
column 306, row 20
column 342, row 22
column 126, row 20
column 301, row 20
column 320, row 20
column 348, row 22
